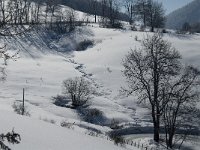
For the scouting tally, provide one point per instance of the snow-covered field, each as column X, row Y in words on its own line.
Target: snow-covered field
column 45, row 61
column 39, row 135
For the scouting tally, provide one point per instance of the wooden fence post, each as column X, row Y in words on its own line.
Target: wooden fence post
column 23, row 103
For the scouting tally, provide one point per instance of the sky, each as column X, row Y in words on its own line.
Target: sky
column 171, row 5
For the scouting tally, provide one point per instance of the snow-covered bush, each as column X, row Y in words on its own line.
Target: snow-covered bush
column 10, row 137
column 20, row 109
column 67, row 125
column 78, row 90
column 136, row 38
column 48, row 120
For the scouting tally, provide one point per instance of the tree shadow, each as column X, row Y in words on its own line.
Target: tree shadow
column 85, row 112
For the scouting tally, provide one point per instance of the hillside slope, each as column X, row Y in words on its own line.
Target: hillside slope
column 46, row 59
column 189, row 13
column 41, row 69
column 39, row 135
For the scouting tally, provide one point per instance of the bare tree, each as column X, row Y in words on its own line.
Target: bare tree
column 181, row 95
column 78, row 89
column 151, row 13
column 113, row 13
column 147, row 71
column 142, row 10
column 110, row 13
column 103, row 10
column 130, row 10
column 155, row 15
column 71, row 19
column 93, row 6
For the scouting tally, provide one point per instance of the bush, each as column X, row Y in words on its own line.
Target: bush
column 114, row 124
column 60, row 100
column 92, row 133
column 78, row 90
column 117, row 139
column 48, row 120
column 10, row 137
column 84, row 45
column 67, row 125
column 136, row 38
column 142, row 28
column 93, row 115
column 19, row 109
column 164, row 31
column 94, row 112
column 117, row 25
column 133, row 28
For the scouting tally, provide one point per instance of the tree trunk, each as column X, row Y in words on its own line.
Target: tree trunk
column 156, row 125
column 170, row 141
column 152, row 29
column 156, row 132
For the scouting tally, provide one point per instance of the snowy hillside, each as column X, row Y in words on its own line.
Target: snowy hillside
column 38, row 135
column 41, row 70
column 46, row 59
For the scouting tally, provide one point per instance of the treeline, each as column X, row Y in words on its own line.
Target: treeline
column 105, row 12
column 26, row 12
column 85, row 6
column 150, row 13
column 191, row 28
column 50, row 13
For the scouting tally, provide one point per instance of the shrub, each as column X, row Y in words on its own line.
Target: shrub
column 84, row 45
column 114, row 124
column 133, row 28
column 92, row 133
column 49, row 120
column 67, row 125
column 136, row 38
column 60, row 100
column 142, row 28
column 164, row 31
column 117, row 25
column 117, row 139
column 10, row 137
column 78, row 90
column 19, row 109
column 93, row 115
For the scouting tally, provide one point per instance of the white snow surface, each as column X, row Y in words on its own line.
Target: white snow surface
column 39, row 135
column 45, row 61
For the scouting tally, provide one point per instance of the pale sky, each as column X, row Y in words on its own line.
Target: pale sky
column 171, row 5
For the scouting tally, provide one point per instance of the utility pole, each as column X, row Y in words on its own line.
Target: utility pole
column 23, row 103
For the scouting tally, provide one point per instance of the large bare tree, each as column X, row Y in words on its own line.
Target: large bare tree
column 181, row 113
column 148, row 70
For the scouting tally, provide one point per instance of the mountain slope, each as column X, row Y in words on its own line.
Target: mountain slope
column 189, row 13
